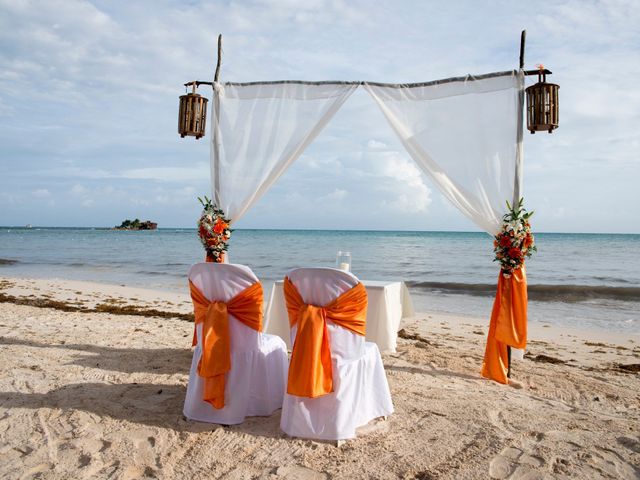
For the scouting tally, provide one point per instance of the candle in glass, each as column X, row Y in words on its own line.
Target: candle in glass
column 343, row 261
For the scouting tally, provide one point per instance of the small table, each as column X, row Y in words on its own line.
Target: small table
column 388, row 304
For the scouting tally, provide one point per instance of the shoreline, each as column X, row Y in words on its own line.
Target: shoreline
column 544, row 338
column 79, row 294
column 88, row 393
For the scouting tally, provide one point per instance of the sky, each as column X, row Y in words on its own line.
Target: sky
column 89, row 98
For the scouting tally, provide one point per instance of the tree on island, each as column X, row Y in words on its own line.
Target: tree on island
column 137, row 225
column 130, row 224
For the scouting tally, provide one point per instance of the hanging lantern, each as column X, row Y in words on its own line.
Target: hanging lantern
column 192, row 116
column 542, row 104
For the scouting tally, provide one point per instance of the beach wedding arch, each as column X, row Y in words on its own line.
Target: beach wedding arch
column 258, row 129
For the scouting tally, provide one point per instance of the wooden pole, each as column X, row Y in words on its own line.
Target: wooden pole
column 215, row 164
column 217, row 75
column 523, row 38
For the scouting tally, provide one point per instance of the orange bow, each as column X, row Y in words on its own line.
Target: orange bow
column 215, row 361
column 508, row 325
column 310, row 371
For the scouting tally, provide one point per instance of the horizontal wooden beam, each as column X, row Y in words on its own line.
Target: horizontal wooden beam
column 526, row 72
column 197, row 83
column 537, row 71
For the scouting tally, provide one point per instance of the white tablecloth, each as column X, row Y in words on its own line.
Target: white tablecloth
column 388, row 304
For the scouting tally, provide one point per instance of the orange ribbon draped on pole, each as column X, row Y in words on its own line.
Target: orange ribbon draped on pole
column 508, row 325
column 310, row 370
column 215, row 361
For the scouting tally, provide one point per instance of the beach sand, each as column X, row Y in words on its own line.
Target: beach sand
column 89, row 392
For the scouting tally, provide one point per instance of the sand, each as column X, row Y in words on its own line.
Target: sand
column 90, row 394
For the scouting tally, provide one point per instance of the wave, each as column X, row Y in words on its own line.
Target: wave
column 7, row 261
column 612, row 279
column 541, row 292
column 157, row 273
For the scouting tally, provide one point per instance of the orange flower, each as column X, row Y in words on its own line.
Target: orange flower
column 528, row 241
column 514, row 252
column 220, row 226
column 505, row 241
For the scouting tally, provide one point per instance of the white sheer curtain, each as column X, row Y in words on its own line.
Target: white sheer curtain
column 259, row 129
column 464, row 133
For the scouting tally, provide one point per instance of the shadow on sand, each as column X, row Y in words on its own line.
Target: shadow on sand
column 154, row 404
column 166, row 361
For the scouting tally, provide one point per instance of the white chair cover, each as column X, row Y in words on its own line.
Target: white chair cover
column 257, row 380
column 361, row 392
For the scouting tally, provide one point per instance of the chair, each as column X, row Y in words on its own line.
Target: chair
column 360, row 389
column 255, row 382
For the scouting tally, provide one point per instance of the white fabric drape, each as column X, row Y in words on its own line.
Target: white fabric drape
column 259, row 130
column 464, row 133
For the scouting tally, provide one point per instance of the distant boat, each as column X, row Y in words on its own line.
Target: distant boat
column 28, row 225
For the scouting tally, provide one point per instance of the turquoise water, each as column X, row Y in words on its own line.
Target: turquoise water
column 590, row 280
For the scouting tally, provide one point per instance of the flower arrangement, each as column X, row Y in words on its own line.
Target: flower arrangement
column 515, row 241
column 213, row 230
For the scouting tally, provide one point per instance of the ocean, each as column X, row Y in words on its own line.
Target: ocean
column 581, row 280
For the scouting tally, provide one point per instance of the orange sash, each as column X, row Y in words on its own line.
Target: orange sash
column 508, row 325
column 215, row 361
column 310, row 371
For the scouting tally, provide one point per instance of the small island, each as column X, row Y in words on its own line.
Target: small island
column 136, row 225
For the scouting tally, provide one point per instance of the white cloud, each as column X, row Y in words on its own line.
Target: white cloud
column 41, row 193
column 335, row 196
column 412, row 194
column 376, row 145
column 322, row 163
column 78, row 190
column 167, row 174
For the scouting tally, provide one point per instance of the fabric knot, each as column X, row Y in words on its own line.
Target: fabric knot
column 310, row 313
column 216, row 308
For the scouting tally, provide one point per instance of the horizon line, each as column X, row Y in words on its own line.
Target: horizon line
column 32, row 227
